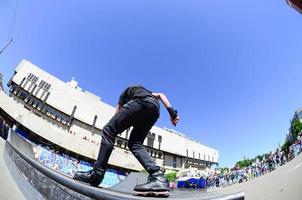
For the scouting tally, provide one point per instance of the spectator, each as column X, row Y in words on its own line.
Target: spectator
column 4, row 130
column 258, row 167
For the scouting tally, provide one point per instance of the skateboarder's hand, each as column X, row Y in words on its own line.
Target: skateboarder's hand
column 175, row 120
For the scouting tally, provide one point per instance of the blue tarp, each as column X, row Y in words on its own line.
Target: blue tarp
column 192, row 183
column 22, row 133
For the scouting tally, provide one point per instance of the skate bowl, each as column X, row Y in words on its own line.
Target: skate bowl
column 36, row 181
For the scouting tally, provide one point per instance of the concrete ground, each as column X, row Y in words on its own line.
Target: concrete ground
column 283, row 183
column 8, row 188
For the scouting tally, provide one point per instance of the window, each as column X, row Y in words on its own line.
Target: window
column 35, row 79
column 159, row 141
column 47, row 87
column 48, row 110
column 150, row 139
column 30, row 77
column 59, row 119
column 119, row 143
column 27, row 99
column 160, row 155
column 174, row 161
column 23, row 95
column 38, row 104
column 34, row 103
column 31, row 101
column 13, row 89
column 44, row 109
column 42, row 84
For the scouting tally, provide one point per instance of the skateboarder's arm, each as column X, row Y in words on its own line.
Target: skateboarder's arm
column 117, row 108
column 173, row 113
column 163, row 98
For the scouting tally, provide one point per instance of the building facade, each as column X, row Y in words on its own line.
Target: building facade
column 64, row 114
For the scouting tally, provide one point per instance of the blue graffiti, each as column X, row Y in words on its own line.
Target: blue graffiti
column 111, row 178
column 68, row 165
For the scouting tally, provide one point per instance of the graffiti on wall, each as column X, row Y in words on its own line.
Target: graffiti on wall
column 68, row 165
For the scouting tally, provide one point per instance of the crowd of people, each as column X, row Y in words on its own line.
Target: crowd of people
column 258, row 167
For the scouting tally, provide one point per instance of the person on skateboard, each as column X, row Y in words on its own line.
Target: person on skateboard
column 139, row 108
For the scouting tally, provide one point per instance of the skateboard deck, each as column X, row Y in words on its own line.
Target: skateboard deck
column 151, row 193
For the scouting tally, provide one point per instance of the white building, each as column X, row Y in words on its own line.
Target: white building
column 65, row 115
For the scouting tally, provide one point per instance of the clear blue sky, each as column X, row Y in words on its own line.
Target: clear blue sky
column 231, row 68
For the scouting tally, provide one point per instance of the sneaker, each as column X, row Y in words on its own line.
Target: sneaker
column 157, row 185
column 94, row 177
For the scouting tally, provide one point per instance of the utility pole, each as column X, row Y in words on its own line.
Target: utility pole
column 5, row 47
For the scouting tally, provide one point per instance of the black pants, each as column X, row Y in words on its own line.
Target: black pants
column 142, row 115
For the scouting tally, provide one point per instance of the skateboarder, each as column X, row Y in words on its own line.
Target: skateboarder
column 137, row 107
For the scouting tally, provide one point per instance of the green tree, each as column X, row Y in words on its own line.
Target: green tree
column 285, row 146
column 171, row 176
column 260, row 157
column 296, row 128
column 225, row 170
column 244, row 163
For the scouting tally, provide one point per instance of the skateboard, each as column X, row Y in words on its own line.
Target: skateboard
column 151, row 193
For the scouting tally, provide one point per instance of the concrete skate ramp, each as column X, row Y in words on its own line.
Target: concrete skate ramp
column 39, row 182
column 8, row 187
column 132, row 179
column 135, row 178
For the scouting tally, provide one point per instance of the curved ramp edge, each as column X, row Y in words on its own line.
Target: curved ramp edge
column 53, row 185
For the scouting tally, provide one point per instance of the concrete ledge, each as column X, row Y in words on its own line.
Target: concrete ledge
column 33, row 183
column 51, row 185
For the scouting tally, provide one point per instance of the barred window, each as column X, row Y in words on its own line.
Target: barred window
column 160, row 155
column 119, row 143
